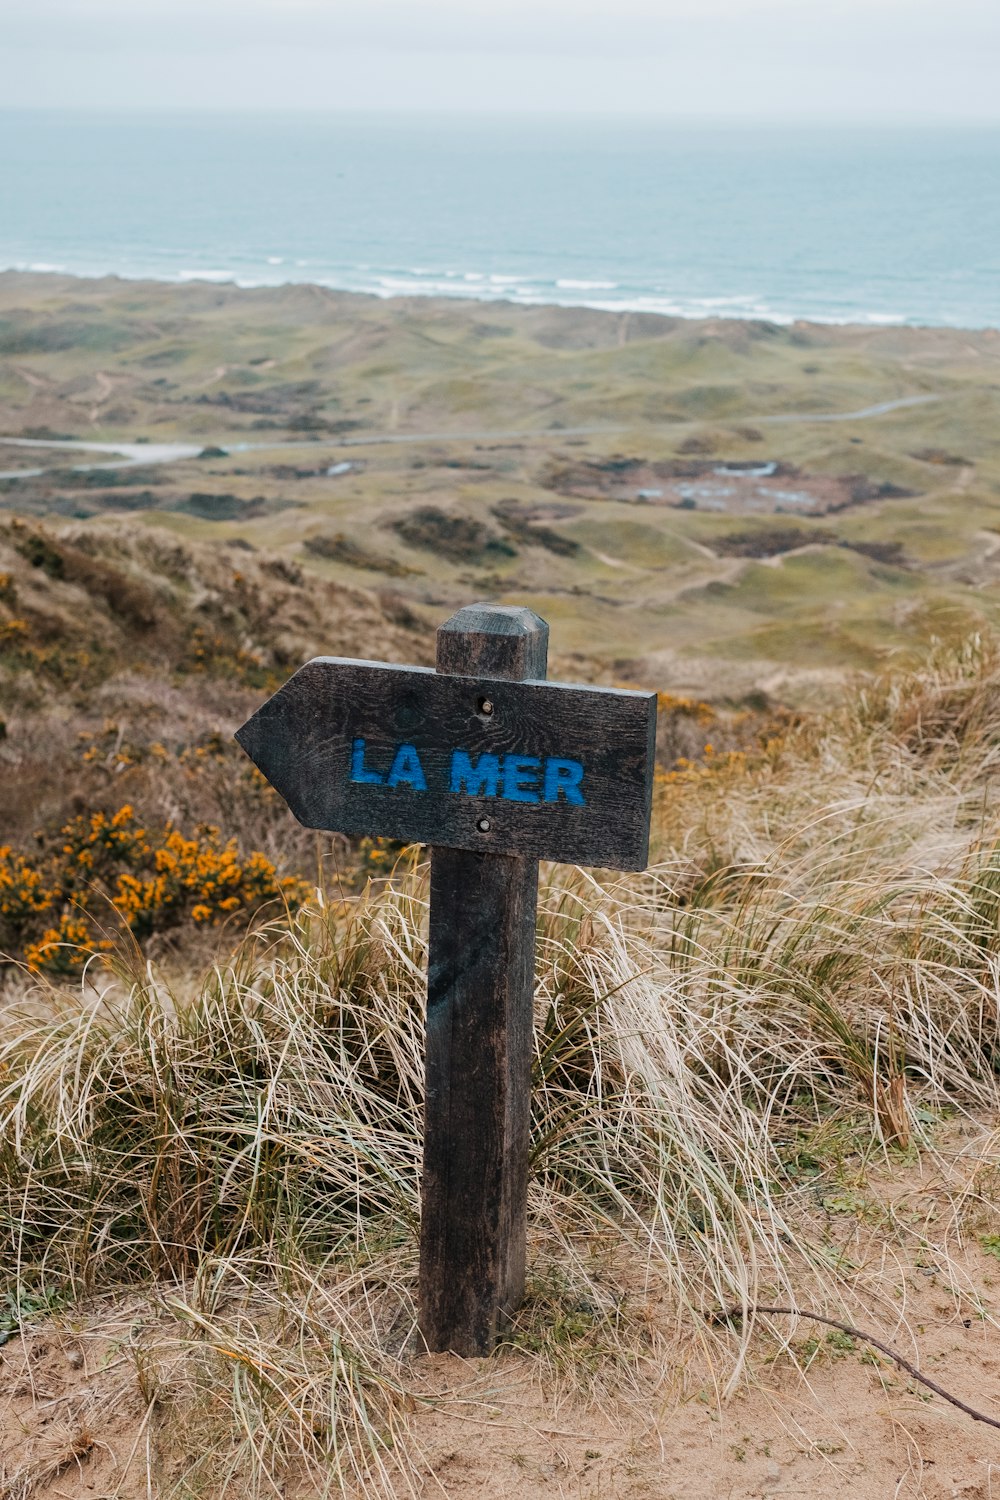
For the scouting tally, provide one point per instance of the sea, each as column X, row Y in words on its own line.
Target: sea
column 876, row 226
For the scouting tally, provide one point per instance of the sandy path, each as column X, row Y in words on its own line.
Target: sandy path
column 879, row 410
column 105, row 389
column 124, row 455
column 833, row 1422
column 219, row 373
column 37, row 382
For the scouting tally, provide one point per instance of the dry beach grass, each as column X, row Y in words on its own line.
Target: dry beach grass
column 766, row 1071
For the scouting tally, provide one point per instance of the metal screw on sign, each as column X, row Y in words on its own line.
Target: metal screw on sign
column 494, row 768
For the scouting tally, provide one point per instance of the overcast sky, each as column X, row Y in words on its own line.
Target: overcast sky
column 844, row 60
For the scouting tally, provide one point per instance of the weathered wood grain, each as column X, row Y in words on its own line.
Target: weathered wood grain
column 495, row 768
column 303, row 739
column 479, row 1042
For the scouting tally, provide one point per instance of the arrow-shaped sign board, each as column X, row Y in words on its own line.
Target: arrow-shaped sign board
column 496, row 769
column 540, row 769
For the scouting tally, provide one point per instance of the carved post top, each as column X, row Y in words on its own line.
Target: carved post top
column 493, row 640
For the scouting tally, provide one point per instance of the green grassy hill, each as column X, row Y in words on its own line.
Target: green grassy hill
column 583, row 449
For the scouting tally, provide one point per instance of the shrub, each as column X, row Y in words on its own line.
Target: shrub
column 149, row 880
column 455, row 537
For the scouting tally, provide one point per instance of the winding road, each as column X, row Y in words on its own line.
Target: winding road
column 144, row 455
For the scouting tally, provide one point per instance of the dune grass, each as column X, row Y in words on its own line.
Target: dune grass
column 809, row 975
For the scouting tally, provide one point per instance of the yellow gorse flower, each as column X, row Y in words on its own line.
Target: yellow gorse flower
column 153, row 879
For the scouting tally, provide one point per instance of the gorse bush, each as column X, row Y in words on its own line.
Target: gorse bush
column 109, row 871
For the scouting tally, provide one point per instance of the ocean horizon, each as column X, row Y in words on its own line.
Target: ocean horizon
column 879, row 226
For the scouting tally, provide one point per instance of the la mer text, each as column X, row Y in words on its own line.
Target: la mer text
column 514, row 778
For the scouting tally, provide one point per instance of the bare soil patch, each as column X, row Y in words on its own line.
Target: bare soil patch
column 766, row 488
column 87, row 1411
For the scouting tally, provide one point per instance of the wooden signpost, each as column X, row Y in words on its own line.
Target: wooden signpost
column 494, row 768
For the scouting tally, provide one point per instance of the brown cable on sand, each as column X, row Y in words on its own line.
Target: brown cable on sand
column 729, row 1315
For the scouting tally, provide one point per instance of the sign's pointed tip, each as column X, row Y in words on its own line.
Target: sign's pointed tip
column 244, row 735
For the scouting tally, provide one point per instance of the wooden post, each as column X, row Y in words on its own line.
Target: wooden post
column 479, row 1039
column 494, row 768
